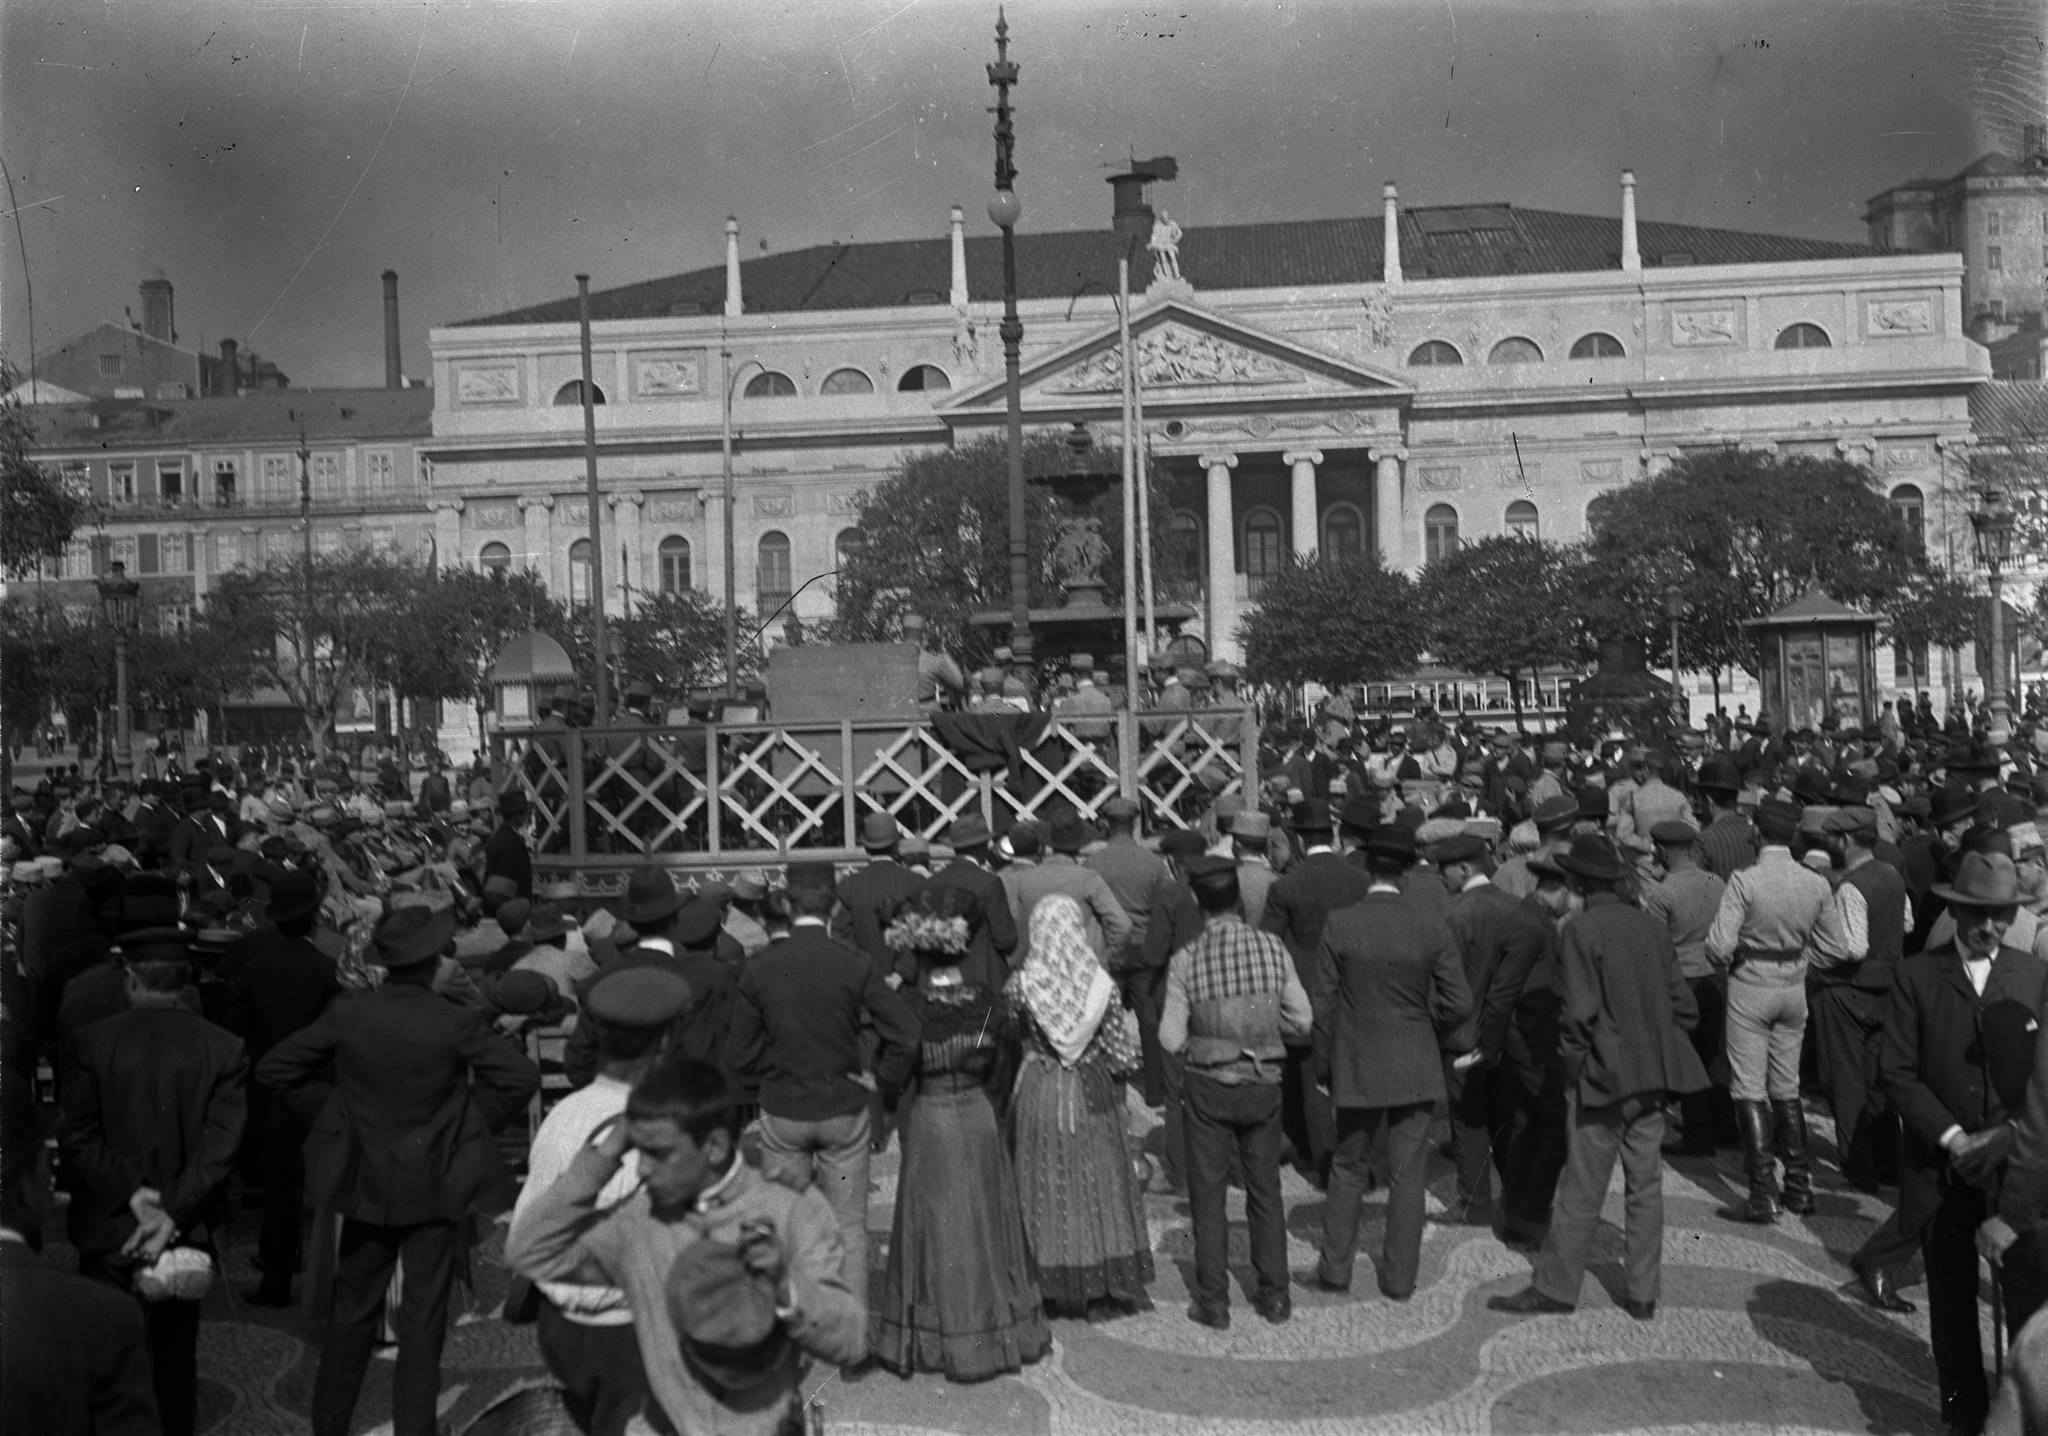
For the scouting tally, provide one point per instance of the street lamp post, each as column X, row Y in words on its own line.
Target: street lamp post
column 1992, row 523
column 1674, row 609
column 1006, row 209
column 731, row 377
column 120, row 596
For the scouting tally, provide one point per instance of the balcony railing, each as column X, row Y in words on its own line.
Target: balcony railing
column 202, row 506
column 725, row 797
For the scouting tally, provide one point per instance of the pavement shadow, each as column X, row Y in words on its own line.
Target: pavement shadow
column 1820, row 1329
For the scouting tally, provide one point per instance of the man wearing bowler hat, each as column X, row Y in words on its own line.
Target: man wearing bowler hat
column 404, row 1091
column 282, row 983
column 735, row 1281
column 1957, row 1047
column 678, row 937
column 1553, row 819
column 505, row 851
column 1060, row 870
column 993, row 936
column 1626, row 1006
column 796, row 1031
column 1389, row 992
column 869, row 896
column 585, row 1328
column 1298, row 904
column 1729, row 842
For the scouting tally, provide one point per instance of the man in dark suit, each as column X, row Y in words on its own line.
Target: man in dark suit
column 796, row 1032
column 73, row 1357
column 153, row 1111
column 282, row 982
column 505, row 851
column 684, row 938
column 994, row 935
column 1500, row 940
column 1389, row 990
column 1297, row 905
column 1957, row 1045
column 1627, row 1007
column 869, row 897
column 408, row 1089
column 154, row 824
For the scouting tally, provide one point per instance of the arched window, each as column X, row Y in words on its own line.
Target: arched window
column 1803, row 336
column 847, row 546
column 1598, row 346
column 1182, row 561
column 1435, row 354
column 924, row 376
column 1909, row 506
column 846, row 381
column 1522, row 519
column 1262, row 548
column 768, row 384
column 494, row 559
column 1515, row 350
column 1343, row 532
column 1439, row 533
column 771, row 574
column 1596, row 509
column 673, row 560
column 579, row 573
column 572, row 393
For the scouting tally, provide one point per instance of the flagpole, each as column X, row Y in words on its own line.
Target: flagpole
column 1123, row 312
column 1137, row 388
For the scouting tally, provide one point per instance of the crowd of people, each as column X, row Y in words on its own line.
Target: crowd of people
column 1509, row 958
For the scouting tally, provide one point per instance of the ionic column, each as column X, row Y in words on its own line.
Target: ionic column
column 1302, row 490
column 540, row 556
column 626, row 509
column 1386, row 503
column 1222, row 566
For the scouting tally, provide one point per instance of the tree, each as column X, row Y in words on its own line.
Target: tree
column 1506, row 606
column 1332, row 622
column 318, row 633
column 675, row 642
column 1936, row 609
column 1740, row 534
column 37, row 513
column 457, row 622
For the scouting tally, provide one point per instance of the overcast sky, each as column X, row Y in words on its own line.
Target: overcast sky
column 273, row 159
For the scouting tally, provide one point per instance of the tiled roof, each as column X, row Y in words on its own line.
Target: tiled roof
column 2012, row 409
column 1453, row 242
column 271, row 416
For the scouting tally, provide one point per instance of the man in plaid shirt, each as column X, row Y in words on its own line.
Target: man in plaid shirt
column 1232, row 1002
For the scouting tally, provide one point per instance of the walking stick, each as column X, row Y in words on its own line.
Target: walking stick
column 1997, row 1319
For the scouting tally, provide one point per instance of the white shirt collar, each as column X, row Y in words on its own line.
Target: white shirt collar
column 659, row 944
column 715, row 1195
column 1477, row 880
column 797, row 922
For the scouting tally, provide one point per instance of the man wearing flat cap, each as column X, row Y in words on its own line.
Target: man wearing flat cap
column 1553, row 819
column 1389, row 994
column 796, row 1031
column 404, row 1091
column 586, row 1328
column 735, row 1281
column 1958, row 1044
column 1298, row 904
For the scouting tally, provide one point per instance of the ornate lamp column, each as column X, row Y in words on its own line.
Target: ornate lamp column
column 120, row 597
column 1006, row 209
column 1992, row 521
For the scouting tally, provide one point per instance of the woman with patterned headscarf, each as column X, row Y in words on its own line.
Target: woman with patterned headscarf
column 1083, row 1212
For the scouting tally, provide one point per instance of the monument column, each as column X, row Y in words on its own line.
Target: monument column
column 1302, row 490
column 1386, row 503
column 1222, row 565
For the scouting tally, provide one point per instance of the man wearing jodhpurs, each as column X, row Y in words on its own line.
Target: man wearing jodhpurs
column 1767, row 917
column 1233, row 1000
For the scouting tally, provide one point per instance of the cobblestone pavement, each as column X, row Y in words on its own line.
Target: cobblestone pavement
column 1752, row 1335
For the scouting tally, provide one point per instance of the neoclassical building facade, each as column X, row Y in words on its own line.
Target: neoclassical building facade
column 1406, row 381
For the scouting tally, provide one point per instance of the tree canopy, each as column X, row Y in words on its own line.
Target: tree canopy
column 1332, row 622
column 1506, row 606
column 38, row 514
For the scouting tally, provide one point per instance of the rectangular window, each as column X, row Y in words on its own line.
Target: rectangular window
column 377, row 471
column 227, row 552
column 326, row 476
column 77, row 562
column 122, row 551
column 327, row 541
column 1994, row 258
column 110, row 366
column 174, row 617
column 280, row 479
column 175, row 552
column 146, row 553
column 77, row 475
column 277, row 546
column 121, row 482
column 381, row 540
column 170, row 480
column 226, row 475
column 1992, row 225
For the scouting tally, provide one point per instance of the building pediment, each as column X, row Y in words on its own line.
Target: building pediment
column 1186, row 357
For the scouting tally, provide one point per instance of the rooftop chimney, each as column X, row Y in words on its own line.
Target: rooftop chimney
column 734, row 303
column 1390, row 234
column 958, row 298
column 1631, row 253
column 394, row 370
column 156, row 310
column 231, row 362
